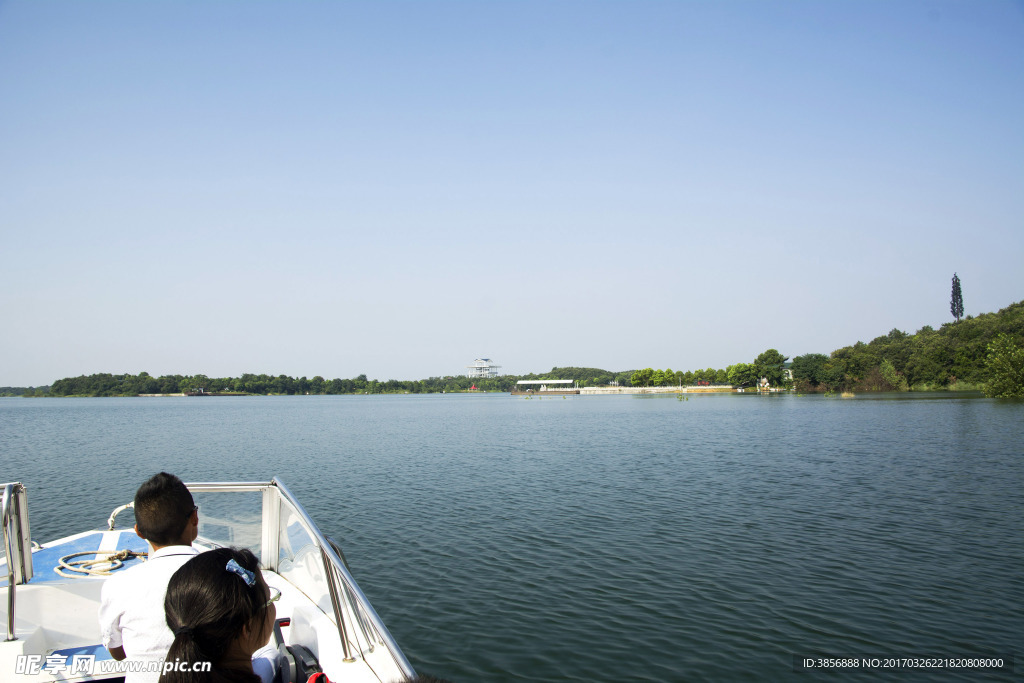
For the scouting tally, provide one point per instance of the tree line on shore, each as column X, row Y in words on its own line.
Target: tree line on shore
column 983, row 352
column 771, row 365
column 106, row 384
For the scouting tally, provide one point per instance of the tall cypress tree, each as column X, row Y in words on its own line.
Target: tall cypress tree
column 956, row 302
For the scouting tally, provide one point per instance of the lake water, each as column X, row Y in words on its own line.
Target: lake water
column 604, row 538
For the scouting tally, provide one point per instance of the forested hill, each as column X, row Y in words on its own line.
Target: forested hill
column 954, row 356
column 24, row 391
column 105, row 384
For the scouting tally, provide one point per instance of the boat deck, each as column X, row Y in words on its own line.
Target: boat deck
column 46, row 559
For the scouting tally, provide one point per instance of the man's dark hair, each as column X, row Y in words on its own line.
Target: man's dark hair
column 163, row 506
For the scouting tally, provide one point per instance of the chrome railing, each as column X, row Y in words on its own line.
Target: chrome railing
column 352, row 612
column 14, row 518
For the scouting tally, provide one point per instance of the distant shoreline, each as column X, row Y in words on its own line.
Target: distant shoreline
column 963, row 388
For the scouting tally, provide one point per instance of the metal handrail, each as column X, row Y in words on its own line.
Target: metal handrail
column 333, row 566
column 339, row 616
column 10, row 501
column 350, row 584
column 357, row 612
column 114, row 514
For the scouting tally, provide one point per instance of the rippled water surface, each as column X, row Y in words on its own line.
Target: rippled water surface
column 603, row 538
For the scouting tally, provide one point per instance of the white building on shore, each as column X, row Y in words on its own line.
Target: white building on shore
column 483, row 368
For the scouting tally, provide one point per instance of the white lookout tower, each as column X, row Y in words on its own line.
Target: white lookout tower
column 482, row 368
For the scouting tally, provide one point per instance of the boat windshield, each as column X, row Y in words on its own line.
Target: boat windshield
column 269, row 521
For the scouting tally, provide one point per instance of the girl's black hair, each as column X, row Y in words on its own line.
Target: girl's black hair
column 207, row 607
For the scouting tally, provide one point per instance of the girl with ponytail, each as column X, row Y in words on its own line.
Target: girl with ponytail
column 220, row 611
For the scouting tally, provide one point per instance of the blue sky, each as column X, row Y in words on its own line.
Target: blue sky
column 397, row 188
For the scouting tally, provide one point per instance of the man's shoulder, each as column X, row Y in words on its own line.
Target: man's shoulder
column 166, row 560
column 114, row 582
column 177, row 551
column 163, row 563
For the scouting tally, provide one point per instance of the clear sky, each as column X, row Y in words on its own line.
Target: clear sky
column 397, row 188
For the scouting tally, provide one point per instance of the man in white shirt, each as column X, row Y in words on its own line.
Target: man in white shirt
column 132, row 621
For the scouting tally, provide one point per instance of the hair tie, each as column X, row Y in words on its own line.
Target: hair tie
column 182, row 631
column 247, row 576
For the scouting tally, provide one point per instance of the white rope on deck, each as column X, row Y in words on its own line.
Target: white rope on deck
column 99, row 566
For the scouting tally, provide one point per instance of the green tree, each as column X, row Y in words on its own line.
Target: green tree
column 809, row 370
column 741, row 374
column 1005, row 367
column 895, row 380
column 194, row 383
column 770, row 365
column 956, row 302
column 282, row 384
column 642, row 378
